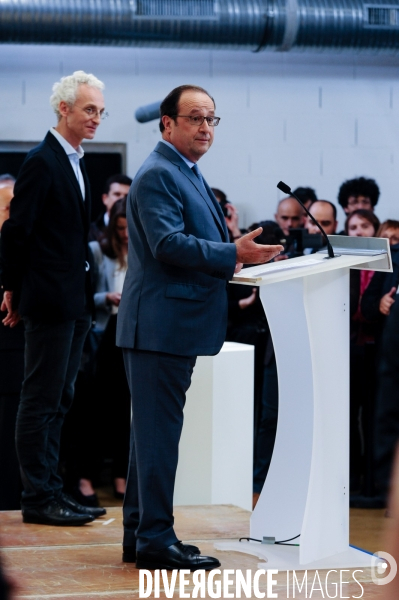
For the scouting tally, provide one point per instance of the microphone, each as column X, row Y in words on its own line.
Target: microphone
column 287, row 190
column 147, row 113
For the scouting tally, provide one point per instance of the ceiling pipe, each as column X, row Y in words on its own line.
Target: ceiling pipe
column 254, row 25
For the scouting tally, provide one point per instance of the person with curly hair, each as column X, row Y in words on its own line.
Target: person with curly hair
column 358, row 193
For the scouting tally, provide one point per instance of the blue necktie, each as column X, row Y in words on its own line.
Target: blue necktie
column 197, row 172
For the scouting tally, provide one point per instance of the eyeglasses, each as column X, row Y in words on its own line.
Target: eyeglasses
column 198, row 120
column 93, row 112
column 359, row 202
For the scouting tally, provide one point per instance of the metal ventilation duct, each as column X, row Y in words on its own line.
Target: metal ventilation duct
column 251, row 24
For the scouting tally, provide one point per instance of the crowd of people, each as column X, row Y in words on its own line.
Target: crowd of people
column 98, row 425
column 374, row 405
column 64, row 390
column 103, row 322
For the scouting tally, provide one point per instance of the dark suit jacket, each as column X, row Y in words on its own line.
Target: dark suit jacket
column 44, row 242
column 175, row 298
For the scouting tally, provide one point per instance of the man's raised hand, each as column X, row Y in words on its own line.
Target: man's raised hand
column 250, row 253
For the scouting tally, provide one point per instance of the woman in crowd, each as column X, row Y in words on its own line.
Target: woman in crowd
column 380, row 305
column 360, row 223
column 389, row 229
column 111, row 389
column 380, row 294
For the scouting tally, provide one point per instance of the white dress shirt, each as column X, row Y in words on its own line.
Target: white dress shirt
column 74, row 156
column 188, row 162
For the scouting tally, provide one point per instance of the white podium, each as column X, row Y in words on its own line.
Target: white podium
column 216, row 446
column 306, row 493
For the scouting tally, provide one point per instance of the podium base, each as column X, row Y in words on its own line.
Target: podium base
column 286, row 558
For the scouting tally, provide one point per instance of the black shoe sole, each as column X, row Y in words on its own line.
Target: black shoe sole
column 130, row 556
column 96, row 515
column 89, row 513
column 140, row 564
column 39, row 521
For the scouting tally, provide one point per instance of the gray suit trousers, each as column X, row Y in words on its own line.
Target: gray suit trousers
column 158, row 384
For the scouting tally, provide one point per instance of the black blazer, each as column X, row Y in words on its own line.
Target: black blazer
column 44, row 242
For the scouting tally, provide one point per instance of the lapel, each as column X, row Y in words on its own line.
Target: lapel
column 87, row 201
column 63, row 160
column 209, row 198
column 218, row 209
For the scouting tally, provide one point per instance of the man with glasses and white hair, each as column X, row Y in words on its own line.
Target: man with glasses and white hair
column 173, row 308
column 45, row 281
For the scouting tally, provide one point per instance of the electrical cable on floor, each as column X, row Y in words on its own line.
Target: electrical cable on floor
column 271, row 540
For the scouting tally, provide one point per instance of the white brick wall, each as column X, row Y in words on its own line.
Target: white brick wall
column 309, row 119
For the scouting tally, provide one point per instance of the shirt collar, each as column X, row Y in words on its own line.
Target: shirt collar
column 66, row 145
column 188, row 162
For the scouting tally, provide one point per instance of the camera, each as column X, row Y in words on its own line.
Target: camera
column 299, row 239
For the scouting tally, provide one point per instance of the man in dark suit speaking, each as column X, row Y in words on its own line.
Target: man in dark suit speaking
column 173, row 308
column 45, row 279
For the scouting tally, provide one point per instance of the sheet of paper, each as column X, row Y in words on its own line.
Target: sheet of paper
column 355, row 251
column 276, row 267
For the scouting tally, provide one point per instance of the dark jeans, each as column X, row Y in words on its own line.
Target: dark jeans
column 264, row 443
column 52, row 357
column 158, row 384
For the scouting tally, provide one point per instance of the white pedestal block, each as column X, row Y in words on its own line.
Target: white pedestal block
column 216, row 447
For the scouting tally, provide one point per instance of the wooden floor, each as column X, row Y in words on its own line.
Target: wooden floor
column 84, row 563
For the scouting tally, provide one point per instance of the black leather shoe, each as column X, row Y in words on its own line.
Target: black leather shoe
column 54, row 513
column 71, row 503
column 175, row 556
column 129, row 552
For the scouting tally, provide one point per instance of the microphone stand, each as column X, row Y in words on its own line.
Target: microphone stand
column 287, row 190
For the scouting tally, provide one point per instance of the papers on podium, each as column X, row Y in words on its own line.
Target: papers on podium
column 346, row 249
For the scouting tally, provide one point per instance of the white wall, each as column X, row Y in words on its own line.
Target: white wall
column 308, row 119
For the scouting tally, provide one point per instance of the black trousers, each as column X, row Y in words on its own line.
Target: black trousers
column 387, row 405
column 98, row 425
column 266, row 435
column 114, row 395
column 10, row 480
column 52, row 357
column 158, row 384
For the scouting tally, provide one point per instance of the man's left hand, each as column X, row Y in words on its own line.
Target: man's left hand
column 248, row 252
column 13, row 317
